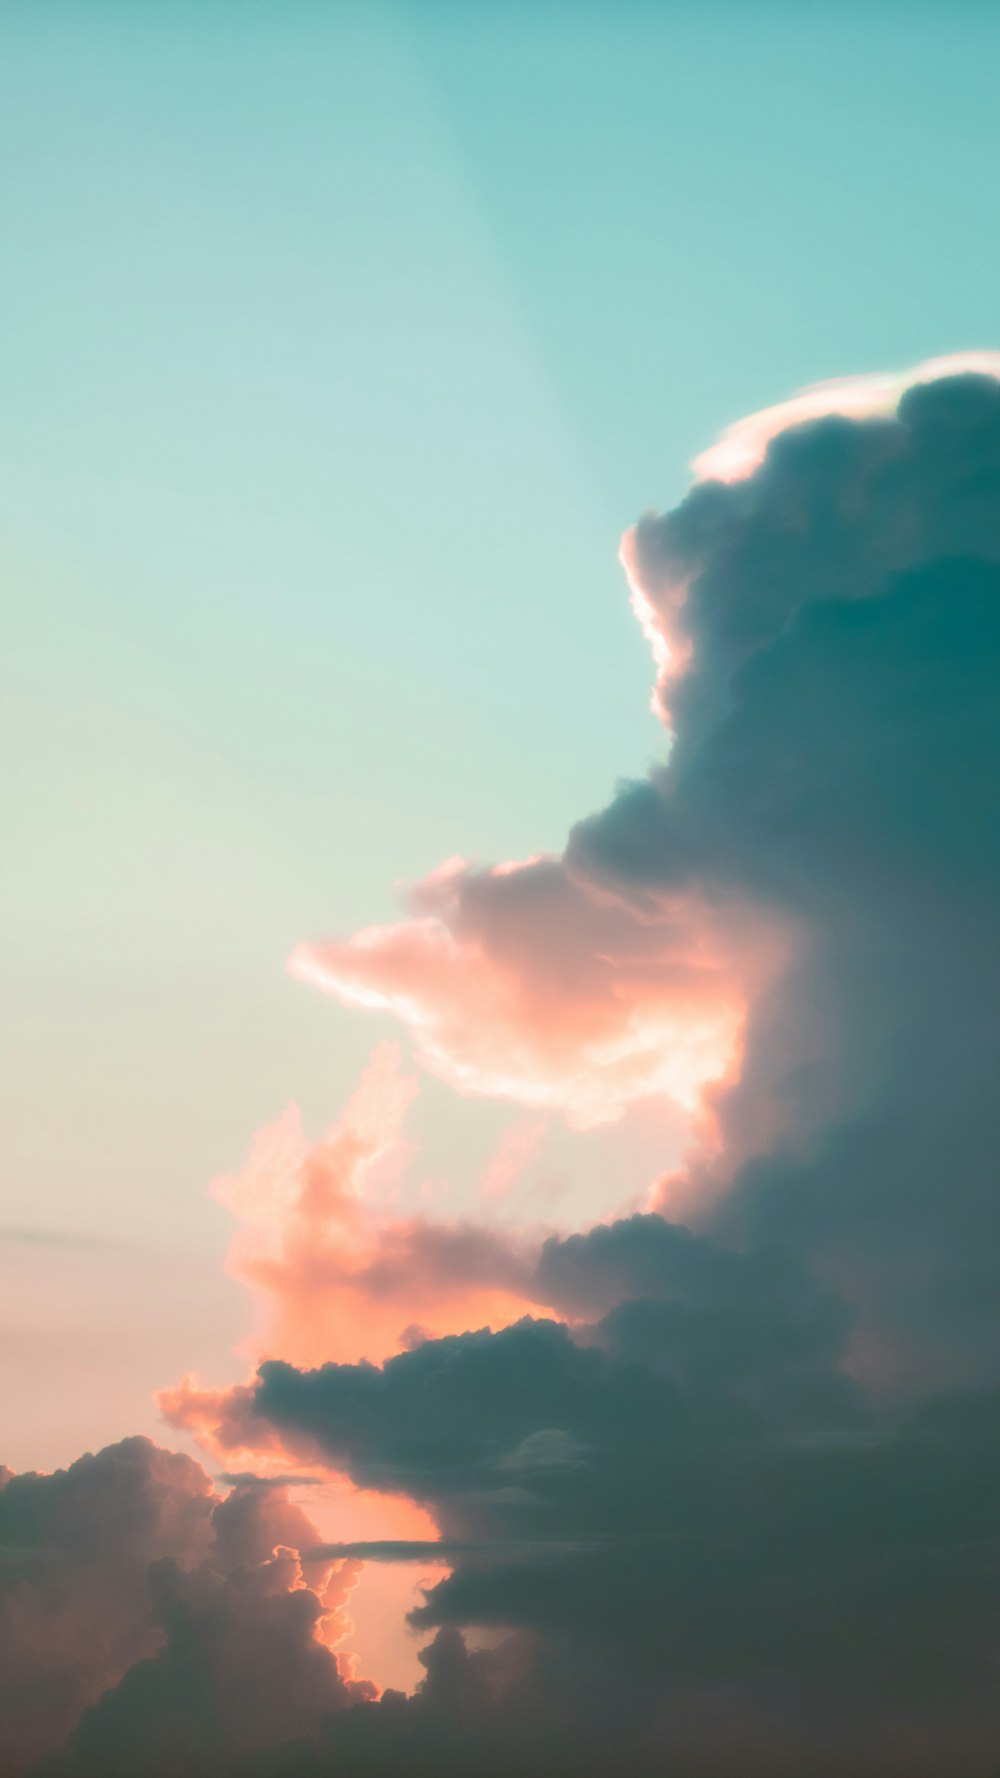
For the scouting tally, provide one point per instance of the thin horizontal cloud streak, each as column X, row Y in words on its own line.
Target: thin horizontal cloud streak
column 442, row 1549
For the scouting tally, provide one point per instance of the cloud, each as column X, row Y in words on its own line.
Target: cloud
column 743, row 446
column 241, row 1666
column 825, row 1565
column 72, row 1239
column 336, row 1270
column 716, row 1498
column 837, row 733
column 828, row 643
column 73, row 1605
column 439, row 1550
column 835, row 508
column 581, row 985
column 153, row 1621
column 535, row 983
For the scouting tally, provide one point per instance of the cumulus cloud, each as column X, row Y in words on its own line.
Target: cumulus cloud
column 717, row 1498
column 789, row 924
column 827, row 638
column 555, row 982
column 160, row 1625
column 684, row 1538
column 835, row 508
column 837, row 738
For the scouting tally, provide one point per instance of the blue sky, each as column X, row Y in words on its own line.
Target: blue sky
column 340, row 346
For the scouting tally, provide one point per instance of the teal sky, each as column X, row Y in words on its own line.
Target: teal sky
column 339, row 346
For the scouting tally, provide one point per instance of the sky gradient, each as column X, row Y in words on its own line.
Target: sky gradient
column 344, row 346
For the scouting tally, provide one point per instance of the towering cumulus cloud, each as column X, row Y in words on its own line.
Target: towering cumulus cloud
column 721, row 1498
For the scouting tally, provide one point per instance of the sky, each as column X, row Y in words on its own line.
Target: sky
column 343, row 345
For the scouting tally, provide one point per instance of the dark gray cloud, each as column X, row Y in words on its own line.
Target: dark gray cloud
column 836, row 763
column 442, row 1549
column 836, row 1589
column 881, row 1053
column 835, row 511
column 810, row 1570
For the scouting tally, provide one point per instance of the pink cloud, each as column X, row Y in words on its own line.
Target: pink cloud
column 530, row 984
column 518, row 1147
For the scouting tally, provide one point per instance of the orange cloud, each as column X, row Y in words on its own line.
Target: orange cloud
column 224, row 1424
column 337, row 1274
